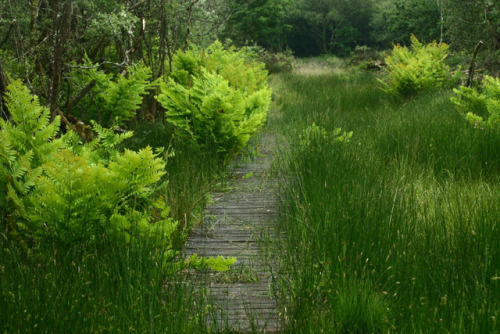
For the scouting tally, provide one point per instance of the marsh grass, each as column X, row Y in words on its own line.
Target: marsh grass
column 396, row 230
column 95, row 289
column 109, row 287
column 192, row 173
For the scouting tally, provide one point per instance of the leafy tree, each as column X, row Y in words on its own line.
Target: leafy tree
column 257, row 21
column 324, row 26
column 395, row 20
column 467, row 22
column 319, row 19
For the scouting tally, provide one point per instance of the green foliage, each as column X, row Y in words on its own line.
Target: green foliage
column 78, row 195
column 28, row 141
column 259, row 22
column 114, row 101
column 395, row 21
column 480, row 106
column 468, row 22
column 326, row 26
column 239, row 68
column 418, row 68
column 75, row 201
column 29, row 128
column 217, row 97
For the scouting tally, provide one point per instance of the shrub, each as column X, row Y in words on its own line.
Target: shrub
column 418, row 68
column 60, row 190
column 480, row 106
column 216, row 97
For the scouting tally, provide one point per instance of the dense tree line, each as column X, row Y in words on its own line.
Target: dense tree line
column 312, row 27
column 43, row 41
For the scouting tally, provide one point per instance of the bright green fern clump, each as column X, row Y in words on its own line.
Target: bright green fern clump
column 216, row 97
column 480, row 106
column 58, row 189
column 27, row 141
column 316, row 134
column 418, row 68
column 75, row 200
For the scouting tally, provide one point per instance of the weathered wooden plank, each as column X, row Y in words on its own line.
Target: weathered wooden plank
column 232, row 227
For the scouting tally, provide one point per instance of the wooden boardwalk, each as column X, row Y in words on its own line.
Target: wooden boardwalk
column 235, row 226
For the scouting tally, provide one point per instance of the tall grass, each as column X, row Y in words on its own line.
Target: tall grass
column 101, row 289
column 110, row 287
column 396, row 230
column 192, row 173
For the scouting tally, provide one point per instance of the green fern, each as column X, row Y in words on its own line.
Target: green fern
column 30, row 129
column 418, row 68
column 216, row 97
column 480, row 106
column 76, row 200
column 113, row 100
column 64, row 191
column 123, row 97
column 28, row 141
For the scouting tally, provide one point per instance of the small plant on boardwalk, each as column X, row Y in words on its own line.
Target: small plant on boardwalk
column 417, row 68
column 216, row 97
column 481, row 105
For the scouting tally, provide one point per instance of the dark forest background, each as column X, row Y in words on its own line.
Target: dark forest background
column 42, row 41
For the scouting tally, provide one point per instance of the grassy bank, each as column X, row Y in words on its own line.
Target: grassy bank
column 395, row 230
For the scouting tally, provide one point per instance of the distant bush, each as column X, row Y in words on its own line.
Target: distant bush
column 216, row 97
column 280, row 62
column 366, row 58
column 480, row 106
column 418, row 68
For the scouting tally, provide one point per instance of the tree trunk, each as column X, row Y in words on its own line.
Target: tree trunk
column 189, row 10
column 473, row 64
column 4, row 113
column 62, row 24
